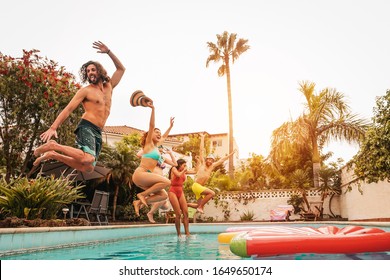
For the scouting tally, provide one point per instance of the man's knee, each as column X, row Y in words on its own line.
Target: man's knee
column 88, row 168
column 88, row 159
column 209, row 193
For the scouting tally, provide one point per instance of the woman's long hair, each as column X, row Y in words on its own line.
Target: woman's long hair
column 143, row 138
column 180, row 162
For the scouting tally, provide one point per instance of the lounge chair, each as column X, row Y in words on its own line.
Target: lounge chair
column 169, row 216
column 281, row 213
column 99, row 207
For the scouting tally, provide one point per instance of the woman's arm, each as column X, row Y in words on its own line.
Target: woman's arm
column 178, row 173
column 172, row 161
column 148, row 140
column 166, row 133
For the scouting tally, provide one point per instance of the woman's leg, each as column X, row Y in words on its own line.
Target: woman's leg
column 151, row 183
column 184, row 210
column 176, row 207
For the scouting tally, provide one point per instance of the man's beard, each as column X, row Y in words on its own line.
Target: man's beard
column 94, row 81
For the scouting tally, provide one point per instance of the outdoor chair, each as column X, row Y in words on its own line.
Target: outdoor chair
column 314, row 213
column 99, row 207
column 169, row 216
column 79, row 208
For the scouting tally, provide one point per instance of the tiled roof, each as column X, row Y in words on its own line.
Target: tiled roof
column 194, row 133
column 122, row 130
column 125, row 130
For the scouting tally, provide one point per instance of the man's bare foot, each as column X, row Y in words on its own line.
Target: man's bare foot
column 44, row 157
column 192, row 205
column 200, row 210
column 142, row 199
column 150, row 217
column 136, row 205
column 45, row 147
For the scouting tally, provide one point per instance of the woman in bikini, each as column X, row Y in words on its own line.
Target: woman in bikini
column 176, row 194
column 143, row 176
column 161, row 165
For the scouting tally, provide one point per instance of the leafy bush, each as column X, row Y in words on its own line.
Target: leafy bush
column 296, row 201
column 36, row 198
column 247, row 216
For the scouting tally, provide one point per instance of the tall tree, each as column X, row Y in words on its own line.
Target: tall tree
column 372, row 163
column 33, row 90
column 227, row 48
column 326, row 117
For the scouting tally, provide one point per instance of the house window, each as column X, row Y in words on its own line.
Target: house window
column 217, row 143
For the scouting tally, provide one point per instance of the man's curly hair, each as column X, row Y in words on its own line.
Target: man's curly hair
column 100, row 69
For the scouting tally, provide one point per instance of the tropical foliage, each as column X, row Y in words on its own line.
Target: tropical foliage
column 247, row 216
column 33, row 91
column 300, row 181
column 42, row 197
column 227, row 49
column 326, row 117
column 372, row 163
column 123, row 160
column 330, row 183
column 191, row 147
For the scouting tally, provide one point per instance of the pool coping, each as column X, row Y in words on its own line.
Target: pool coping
column 75, row 228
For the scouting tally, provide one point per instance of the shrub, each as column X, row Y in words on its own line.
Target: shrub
column 42, row 197
column 247, row 216
column 296, row 201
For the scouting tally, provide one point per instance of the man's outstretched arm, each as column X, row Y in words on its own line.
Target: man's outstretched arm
column 221, row 160
column 120, row 69
column 201, row 148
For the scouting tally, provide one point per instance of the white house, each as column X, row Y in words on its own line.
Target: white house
column 219, row 143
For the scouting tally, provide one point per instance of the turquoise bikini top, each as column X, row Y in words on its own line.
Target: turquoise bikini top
column 154, row 154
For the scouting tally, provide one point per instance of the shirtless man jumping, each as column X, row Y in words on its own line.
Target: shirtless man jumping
column 96, row 101
column 204, row 169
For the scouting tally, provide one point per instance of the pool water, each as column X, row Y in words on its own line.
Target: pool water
column 200, row 246
column 163, row 247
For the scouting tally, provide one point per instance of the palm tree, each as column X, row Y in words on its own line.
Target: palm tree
column 299, row 180
column 123, row 161
column 326, row 117
column 330, row 184
column 225, row 49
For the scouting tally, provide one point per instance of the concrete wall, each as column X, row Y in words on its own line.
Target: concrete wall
column 259, row 203
column 361, row 201
column 358, row 201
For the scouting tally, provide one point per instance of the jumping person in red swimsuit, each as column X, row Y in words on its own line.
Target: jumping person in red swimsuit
column 176, row 195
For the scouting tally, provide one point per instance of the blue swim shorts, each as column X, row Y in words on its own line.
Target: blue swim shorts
column 89, row 138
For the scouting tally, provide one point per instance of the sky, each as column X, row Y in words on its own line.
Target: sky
column 163, row 45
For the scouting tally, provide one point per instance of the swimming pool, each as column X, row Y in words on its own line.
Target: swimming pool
column 161, row 243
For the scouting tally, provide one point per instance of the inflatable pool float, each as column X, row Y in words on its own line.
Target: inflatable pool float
column 226, row 237
column 270, row 241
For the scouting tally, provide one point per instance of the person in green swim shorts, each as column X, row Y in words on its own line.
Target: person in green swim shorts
column 96, row 101
column 204, row 169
